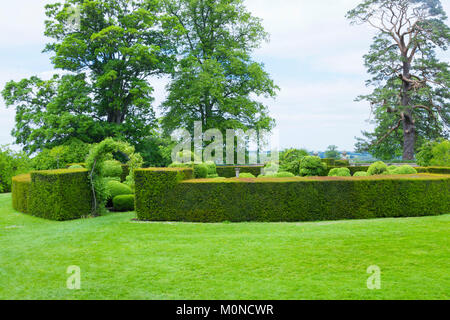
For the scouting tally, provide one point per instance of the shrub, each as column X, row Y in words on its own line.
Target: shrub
column 116, row 188
column 406, row 169
column 361, row 174
column 230, row 171
column 330, row 162
column 290, row 160
column 60, row 194
column 312, row 166
column 271, row 168
column 76, row 166
column 377, row 168
column 20, row 192
column 162, row 196
column 200, row 171
column 212, row 168
column 278, row 175
column 246, row 175
column 342, row 163
column 391, row 169
column 111, row 168
column 339, row 172
column 124, row 203
column 441, row 154
column 73, row 152
column 424, row 156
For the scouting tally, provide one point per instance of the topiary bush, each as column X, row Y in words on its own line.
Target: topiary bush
column 339, row 172
column 200, row 171
column 312, row 166
column 111, row 168
column 361, row 174
column 116, row 188
column 212, row 168
column 278, row 175
column 60, row 194
column 246, row 175
column 377, row 168
column 124, row 203
column 406, row 169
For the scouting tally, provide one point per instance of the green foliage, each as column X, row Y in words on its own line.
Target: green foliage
column 290, row 160
column 271, row 168
column 60, row 194
column 332, row 152
column 11, row 164
column 339, row 172
column 312, row 166
column 20, row 192
column 73, row 152
column 441, row 154
column 118, row 46
column 278, row 175
column 342, row 163
column 361, row 174
column 160, row 196
column 116, row 188
column 76, row 166
column 410, row 100
column 329, row 162
column 405, row 169
column 124, row 203
column 230, row 171
column 98, row 155
column 377, row 168
column 425, row 154
column 216, row 80
column 246, row 175
column 212, row 168
column 200, row 170
column 111, row 168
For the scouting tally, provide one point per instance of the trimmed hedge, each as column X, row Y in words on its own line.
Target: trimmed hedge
column 125, row 172
column 353, row 170
column 60, row 194
column 435, row 170
column 230, row 171
column 163, row 196
column 20, row 192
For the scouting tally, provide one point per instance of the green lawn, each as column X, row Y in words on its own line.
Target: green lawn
column 122, row 259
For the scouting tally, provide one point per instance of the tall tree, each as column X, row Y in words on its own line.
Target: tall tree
column 108, row 57
column 411, row 95
column 216, row 80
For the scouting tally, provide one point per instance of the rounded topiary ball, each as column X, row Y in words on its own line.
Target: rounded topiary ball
column 377, row 168
column 124, row 203
column 340, row 172
column 116, row 188
column 200, row 171
column 361, row 174
column 112, row 168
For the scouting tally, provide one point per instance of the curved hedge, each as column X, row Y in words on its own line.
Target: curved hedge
column 20, row 192
column 54, row 194
column 161, row 196
column 230, row 171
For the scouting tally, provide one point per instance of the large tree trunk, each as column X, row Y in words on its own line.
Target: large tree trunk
column 409, row 128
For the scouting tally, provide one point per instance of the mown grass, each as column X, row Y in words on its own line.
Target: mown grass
column 122, row 259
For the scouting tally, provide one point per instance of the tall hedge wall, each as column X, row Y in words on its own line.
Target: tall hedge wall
column 20, row 192
column 289, row 200
column 60, row 194
column 230, row 171
column 435, row 170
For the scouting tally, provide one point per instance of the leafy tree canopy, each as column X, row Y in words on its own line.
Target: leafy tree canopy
column 410, row 100
column 107, row 60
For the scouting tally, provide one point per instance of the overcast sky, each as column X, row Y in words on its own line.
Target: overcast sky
column 314, row 55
